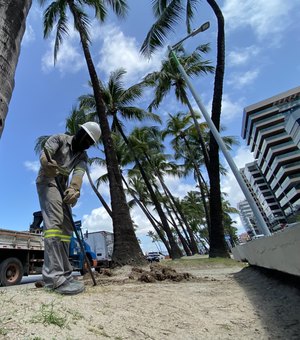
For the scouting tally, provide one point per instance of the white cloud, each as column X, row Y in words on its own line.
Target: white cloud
column 29, row 35
column 97, row 171
column 268, row 19
column 229, row 183
column 230, row 109
column 69, row 57
column 32, row 166
column 240, row 79
column 119, row 50
column 241, row 56
column 97, row 220
column 179, row 187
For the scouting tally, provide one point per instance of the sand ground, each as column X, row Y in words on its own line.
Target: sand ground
column 225, row 300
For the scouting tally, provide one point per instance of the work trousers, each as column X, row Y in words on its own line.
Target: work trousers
column 57, row 235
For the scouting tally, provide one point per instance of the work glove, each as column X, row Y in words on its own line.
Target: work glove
column 50, row 168
column 72, row 193
column 71, row 196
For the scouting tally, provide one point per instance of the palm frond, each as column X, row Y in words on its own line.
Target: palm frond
column 158, row 32
column 50, row 17
column 61, row 30
column 119, row 7
column 132, row 93
column 97, row 161
column 87, row 102
column 99, row 7
column 40, row 143
column 131, row 112
column 102, row 179
column 83, row 23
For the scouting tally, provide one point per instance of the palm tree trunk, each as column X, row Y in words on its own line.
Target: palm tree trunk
column 183, row 241
column 105, row 205
column 216, row 235
column 148, row 215
column 192, row 245
column 126, row 247
column 12, row 27
column 200, row 182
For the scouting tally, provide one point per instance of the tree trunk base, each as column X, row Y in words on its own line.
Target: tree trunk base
column 218, row 253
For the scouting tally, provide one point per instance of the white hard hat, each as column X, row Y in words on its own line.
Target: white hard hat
column 93, row 130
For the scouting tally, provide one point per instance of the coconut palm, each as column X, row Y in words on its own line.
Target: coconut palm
column 179, row 126
column 148, row 140
column 136, row 188
column 160, row 165
column 126, row 247
column 169, row 77
column 168, row 14
column 118, row 100
column 12, row 26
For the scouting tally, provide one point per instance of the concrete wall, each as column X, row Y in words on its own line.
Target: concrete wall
column 280, row 251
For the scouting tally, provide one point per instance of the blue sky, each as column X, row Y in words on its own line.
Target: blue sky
column 262, row 60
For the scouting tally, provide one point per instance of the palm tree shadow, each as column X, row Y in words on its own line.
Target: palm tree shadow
column 276, row 299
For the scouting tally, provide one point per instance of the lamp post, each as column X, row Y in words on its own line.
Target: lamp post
column 262, row 224
column 202, row 28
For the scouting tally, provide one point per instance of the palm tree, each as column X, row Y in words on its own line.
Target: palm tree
column 126, row 247
column 179, row 126
column 13, row 16
column 142, row 141
column 138, row 191
column 117, row 100
column 169, row 77
column 168, row 14
column 160, row 165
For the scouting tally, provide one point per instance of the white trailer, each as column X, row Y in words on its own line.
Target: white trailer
column 101, row 243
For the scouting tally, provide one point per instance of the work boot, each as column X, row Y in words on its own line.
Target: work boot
column 78, row 283
column 69, row 288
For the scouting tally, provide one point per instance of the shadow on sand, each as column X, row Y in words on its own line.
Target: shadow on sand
column 276, row 299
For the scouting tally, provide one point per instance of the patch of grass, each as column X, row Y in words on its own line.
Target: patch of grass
column 75, row 315
column 197, row 261
column 225, row 326
column 3, row 331
column 48, row 316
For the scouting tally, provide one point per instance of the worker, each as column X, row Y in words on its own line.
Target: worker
column 67, row 156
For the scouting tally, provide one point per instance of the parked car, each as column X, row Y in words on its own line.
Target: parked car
column 155, row 256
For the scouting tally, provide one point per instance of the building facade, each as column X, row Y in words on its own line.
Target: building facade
column 247, row 218
column 271, row 130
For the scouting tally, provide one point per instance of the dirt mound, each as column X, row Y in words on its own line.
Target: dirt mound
column 158, row 273
column 128, row 274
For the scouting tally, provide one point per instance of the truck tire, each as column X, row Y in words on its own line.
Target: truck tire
column 11, row 272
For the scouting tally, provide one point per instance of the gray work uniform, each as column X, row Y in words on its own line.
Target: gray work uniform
column 57, row 226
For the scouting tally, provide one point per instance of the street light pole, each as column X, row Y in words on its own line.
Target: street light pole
column 202, row 28
column 262, row 224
